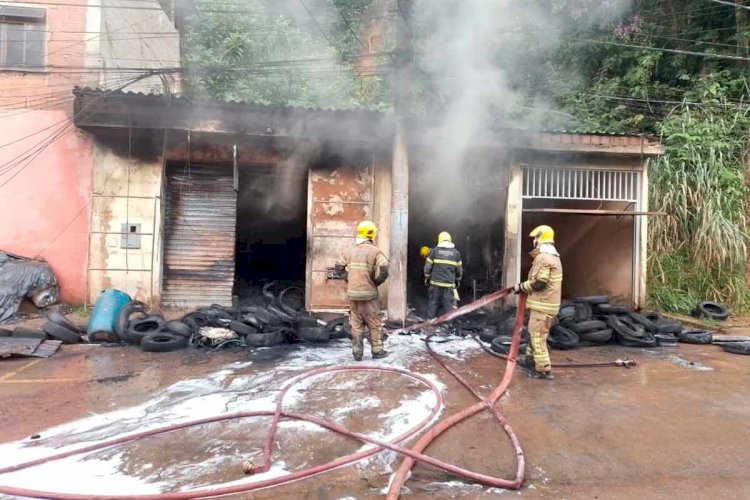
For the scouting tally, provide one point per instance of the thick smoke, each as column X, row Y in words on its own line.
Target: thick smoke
column 471, row 57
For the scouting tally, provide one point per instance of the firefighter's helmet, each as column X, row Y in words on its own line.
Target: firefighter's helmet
column 542, row 234
column 367, row 230
column 444, row 236
column 423, row 252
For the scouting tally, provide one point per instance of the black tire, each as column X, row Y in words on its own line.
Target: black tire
column 672, row 327
column 281, row 314
column 566, row 312
column 178, row 328
column 646, row 323
column 289, row 304
column 266, row 339
column 567, row 322
column 712, row 310
column 141, row 328
column 594, row 299
column 648, row 340
column 60, row 332
column 487, row 334
column 123, row 317
column 4, row 332
column 163, row 342
column 665, row 340
column 624, row 327
column 59, row 319
column 501, row 345
column 607, row 309
column 217, row 316
column 654, row 317
column 589, row 326
column 242, row 329
column 596, row 337
column 268, row 293
column 562, row 338
column 28, row 333
column 583, row 312
column 696, row 337
column 313, row 334
column 195, row 321
column 737, row 348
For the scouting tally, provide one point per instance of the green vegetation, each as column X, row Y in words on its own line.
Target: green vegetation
column 674, row 68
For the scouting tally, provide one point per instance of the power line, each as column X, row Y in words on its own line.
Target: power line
column 663, row 49
column 731, row 4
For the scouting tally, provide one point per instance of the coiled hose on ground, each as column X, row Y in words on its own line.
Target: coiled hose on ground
column 412, row 454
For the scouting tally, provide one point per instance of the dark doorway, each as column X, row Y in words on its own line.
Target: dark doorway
column 271, row 228
column 472, row 211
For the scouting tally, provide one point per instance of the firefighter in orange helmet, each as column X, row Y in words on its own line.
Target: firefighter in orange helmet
column 365, row 267
column 544, row 289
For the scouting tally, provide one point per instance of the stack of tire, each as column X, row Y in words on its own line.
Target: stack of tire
column 593, row 320
column 135, row 325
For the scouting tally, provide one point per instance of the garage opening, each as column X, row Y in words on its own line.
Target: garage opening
column 594, row 233
column 471, row 207
column 271, row 228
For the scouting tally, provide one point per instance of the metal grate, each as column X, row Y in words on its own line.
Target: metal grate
column 580, row 184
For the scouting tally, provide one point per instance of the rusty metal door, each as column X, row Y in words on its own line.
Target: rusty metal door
column 199, row 237
column 338, row 199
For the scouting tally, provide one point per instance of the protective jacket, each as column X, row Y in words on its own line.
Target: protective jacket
column 443, row 266
column 366, row 268
column 544, row 285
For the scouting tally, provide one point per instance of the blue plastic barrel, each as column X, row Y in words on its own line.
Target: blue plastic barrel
column 107, row 307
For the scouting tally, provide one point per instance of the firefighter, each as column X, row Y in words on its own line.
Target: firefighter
column 544, row 289
column 442, row 273
column 365, row 267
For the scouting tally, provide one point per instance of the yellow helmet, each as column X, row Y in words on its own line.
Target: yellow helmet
column 542, row 234
column 444, row 236
column 367, row 230
column 423, row 252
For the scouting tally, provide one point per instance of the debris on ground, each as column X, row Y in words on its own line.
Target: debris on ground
column 22, row 278
column 28, row 347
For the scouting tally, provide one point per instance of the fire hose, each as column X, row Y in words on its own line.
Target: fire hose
column 411, row 454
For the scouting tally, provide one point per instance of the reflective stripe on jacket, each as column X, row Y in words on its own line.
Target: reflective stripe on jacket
column 546, row 268
column 362, row 263
column 443, row 267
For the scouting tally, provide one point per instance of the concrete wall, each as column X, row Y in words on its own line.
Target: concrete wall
column 125, row 191
column 45, row 202
column 141, row 37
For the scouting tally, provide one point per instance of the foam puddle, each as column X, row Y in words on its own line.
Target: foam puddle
column 216, row 393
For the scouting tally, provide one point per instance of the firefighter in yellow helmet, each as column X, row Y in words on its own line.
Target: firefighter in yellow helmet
column 365, row 267
column 442, row 273
column 423, row 252
column 544, row 289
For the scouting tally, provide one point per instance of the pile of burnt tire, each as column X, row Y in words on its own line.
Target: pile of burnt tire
column 278, row 318
column 589, row 321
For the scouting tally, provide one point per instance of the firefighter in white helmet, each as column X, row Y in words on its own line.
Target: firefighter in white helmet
column 544, row 289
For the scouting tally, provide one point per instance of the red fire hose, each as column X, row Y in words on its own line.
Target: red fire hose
column 411, row 454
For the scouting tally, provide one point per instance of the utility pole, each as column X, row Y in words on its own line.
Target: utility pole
column 400, row 166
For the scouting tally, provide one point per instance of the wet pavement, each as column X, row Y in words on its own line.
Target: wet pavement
column 673, row 426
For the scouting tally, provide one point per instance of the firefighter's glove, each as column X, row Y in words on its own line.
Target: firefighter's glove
column 427, row 282
column 517, row 289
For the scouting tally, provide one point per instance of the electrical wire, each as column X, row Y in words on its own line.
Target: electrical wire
column 731, row 4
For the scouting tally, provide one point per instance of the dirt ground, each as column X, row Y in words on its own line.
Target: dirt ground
column 673, row 426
